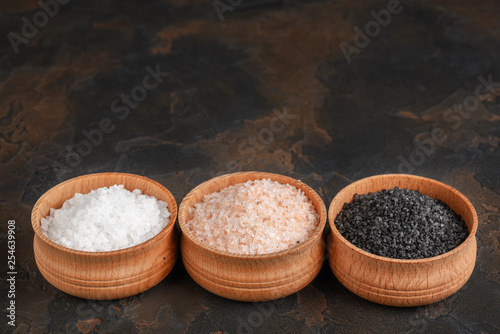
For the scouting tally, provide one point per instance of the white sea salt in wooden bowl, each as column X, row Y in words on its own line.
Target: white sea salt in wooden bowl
column 105, row 274
column 257, row 256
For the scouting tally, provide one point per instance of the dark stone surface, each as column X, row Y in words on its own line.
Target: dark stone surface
column 347, row 121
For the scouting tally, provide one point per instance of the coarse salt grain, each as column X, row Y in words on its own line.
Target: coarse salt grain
column 255, row 217
column 106, row 219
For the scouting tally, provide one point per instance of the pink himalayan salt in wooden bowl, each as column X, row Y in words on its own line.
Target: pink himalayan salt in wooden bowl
column 251, row 277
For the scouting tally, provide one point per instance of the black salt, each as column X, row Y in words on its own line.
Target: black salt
column 401, row 224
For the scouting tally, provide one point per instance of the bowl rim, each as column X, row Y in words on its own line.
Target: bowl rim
column 172, row 206
column 256, row 175
column 459, row 248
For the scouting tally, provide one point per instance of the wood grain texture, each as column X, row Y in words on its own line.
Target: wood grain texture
column 251, row 277
column 104, row 275
column 398, row 282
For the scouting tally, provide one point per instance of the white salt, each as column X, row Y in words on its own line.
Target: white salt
column 106, row 219
column 256, row 217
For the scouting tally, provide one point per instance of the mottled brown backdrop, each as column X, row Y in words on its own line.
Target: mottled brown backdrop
column 265, row 85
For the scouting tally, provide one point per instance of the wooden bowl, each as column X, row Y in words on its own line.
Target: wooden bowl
column 248, row 277
column 398, row 282
column 104, row 275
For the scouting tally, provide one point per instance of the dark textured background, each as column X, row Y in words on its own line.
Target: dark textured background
column 351, row 120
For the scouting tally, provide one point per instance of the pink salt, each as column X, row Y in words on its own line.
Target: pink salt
column 255, row 217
